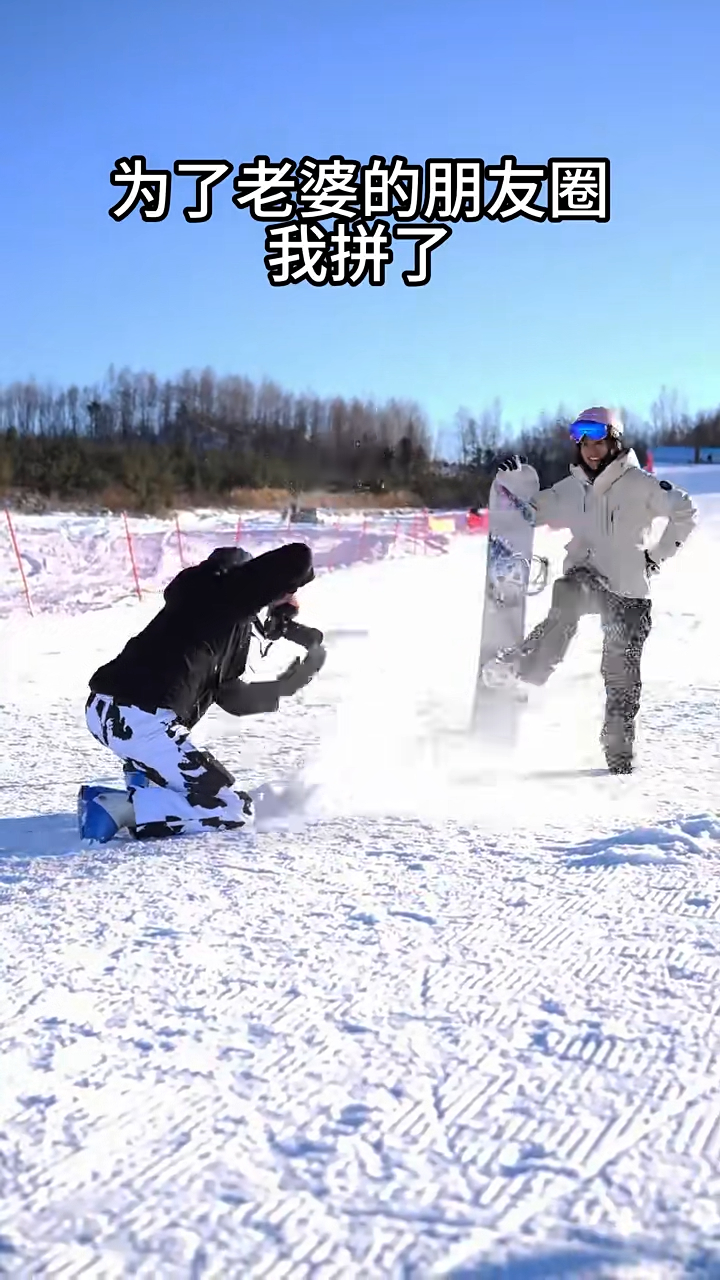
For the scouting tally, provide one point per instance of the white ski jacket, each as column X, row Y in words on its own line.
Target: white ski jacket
column 611, row 520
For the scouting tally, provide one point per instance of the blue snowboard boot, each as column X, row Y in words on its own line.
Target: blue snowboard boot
column 135, row 778
column 103, row 812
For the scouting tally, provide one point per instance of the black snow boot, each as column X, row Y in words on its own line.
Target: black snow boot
column 619, row 763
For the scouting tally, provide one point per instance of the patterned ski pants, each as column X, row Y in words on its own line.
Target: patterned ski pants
column 189, row 789
column 626, row 626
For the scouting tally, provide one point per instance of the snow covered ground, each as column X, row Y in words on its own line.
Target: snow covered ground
column 457, row 1018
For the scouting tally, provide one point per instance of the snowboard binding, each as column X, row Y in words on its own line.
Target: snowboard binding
column 539, row 581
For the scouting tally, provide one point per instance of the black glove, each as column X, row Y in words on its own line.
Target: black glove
column 307, row 637
column 301, row 671
column 650, row 565
column 512, row 464
column 240, row 699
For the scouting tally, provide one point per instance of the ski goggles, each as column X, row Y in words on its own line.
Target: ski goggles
column 588, row 431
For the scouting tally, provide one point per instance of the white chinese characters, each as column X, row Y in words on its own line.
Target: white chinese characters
column 329, row 218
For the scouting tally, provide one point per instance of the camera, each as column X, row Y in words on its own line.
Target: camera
column 280, row 624
column 278, row 620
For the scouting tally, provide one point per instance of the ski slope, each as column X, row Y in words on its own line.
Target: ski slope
column 446, row 1014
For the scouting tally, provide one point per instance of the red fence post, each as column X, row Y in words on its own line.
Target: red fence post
column 179, row 540
column 20, row 563
column 132, row 556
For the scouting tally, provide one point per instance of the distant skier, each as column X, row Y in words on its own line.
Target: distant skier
column 608, row 503
column 192, row 654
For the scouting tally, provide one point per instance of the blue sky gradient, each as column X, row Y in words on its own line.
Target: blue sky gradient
column 537, row 316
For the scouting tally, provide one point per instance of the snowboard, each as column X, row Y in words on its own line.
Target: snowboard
column 511, row 530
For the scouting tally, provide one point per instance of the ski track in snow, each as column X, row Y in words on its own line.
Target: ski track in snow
column 458, row 1018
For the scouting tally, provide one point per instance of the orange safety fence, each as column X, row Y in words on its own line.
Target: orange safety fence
column 80, row 563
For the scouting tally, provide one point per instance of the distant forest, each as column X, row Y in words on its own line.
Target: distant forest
column 147, row 445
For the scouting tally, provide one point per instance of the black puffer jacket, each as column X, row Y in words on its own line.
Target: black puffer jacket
column 200, row 639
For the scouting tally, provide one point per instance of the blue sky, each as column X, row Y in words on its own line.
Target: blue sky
column 536, row 316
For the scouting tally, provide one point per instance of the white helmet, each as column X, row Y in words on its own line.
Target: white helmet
column 590, row 421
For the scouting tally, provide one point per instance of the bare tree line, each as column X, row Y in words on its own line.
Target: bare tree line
column 673, row 425
column 139, row 440
column 205, row 408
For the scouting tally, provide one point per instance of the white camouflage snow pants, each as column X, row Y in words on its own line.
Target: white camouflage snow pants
column 189, row 789
column 626, row 625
